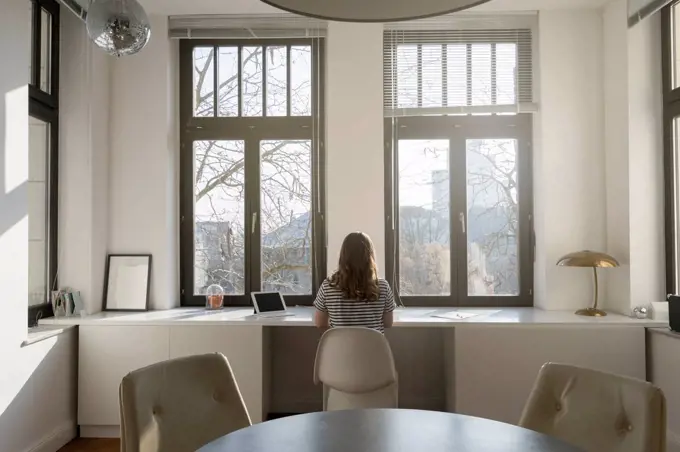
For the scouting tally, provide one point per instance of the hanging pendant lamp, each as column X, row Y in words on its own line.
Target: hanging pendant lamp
column 372, row 10
column 119, row 27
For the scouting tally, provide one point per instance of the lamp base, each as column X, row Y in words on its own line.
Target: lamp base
column 591, row 312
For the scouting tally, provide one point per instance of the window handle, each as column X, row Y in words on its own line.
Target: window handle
column 461, row 217
column 254, row 222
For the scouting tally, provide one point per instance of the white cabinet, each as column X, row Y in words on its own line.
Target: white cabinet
column 242, row 345
column 496, row 366
column 106, row 355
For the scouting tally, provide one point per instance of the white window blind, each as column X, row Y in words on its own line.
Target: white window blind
column 261, row 26
column 440, row 67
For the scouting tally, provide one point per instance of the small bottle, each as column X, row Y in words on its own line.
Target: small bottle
column 214, row 297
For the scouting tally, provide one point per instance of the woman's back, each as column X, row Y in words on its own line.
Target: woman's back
column 345, row 312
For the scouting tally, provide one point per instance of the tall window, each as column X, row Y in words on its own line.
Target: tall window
column 43, row 157
column 458, row 167
column 671, row 106
column 252, row 169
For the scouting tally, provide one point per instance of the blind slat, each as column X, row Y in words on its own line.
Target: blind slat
column 450, row 71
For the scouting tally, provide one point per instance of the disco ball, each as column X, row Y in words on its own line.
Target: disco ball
column 119, row 27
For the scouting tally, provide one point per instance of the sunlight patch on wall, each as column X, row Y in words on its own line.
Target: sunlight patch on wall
column 16, row 138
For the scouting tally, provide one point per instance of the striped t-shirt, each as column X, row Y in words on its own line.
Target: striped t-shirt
column 344, row 312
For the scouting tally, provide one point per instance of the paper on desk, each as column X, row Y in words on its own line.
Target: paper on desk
column 454, row 315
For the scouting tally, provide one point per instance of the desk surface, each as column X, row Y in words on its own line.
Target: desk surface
column 404, row 317
column 388, row 431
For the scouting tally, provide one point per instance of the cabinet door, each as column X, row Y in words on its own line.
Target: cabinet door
column 106, row 355
column 496, row 366
column 242, row 345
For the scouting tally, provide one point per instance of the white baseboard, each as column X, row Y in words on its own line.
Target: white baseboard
column 100, row 431
column 55, row 440
column 673, row 442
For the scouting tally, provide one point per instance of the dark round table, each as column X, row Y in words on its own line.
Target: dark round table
column 385, row 431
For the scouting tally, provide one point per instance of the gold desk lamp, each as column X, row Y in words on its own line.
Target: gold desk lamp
column 589, row 259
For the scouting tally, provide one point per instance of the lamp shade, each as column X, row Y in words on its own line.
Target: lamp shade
column 372, row 10
column 588, row 258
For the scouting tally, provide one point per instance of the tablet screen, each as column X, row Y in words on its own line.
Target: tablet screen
column 269, row 302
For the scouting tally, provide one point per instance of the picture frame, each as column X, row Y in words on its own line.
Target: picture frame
column 127, row 281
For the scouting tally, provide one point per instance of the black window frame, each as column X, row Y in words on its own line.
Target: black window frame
column 252, row 130
column 44, row 106
column 458, row 129
column 671, row 112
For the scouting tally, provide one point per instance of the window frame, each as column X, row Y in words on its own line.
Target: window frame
column 252, row 130
column 671, row 111
column 45, row 107
column 458, row 129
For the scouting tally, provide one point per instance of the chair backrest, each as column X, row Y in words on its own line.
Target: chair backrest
column 180, row 405
column 354, row 360
column 597, row 411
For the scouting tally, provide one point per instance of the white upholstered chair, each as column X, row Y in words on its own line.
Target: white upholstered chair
column 597, row 411
column 180, row 405
column 356, row 368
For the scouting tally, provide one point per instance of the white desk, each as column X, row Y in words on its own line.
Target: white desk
column 484, row 365
column 404, row 317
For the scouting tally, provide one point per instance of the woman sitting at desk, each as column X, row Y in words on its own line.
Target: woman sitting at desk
column 354, row 295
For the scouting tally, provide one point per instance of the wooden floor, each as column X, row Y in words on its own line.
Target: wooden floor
column 92, row 445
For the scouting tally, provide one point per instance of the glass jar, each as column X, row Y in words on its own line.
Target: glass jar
column 214, row 297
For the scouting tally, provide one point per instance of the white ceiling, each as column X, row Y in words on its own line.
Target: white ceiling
column 182, row 7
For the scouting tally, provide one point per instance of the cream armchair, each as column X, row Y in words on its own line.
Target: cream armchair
column 180, row 405
column 597, row 411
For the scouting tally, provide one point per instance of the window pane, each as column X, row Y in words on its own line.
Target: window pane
column 286, row 216
column 251, row 85
column 424, row 244
column 432, row 76
column 301, row 81
column 39, row 145
column 407, row 76
column 219, row 216
column 204, row 81
column 481, row 74
column 45, row 51
column 277, row 70
column 492, row 217
column 456, row 74
column 227, row 74
column 506, row 68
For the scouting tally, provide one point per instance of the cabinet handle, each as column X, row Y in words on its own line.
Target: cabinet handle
column 254, row 222
column 461, row 217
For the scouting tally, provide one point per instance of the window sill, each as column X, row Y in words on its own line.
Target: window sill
column 43, row 332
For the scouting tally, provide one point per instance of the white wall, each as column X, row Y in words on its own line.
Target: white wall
column 15, row 50
column 645, row 134
column 634, row 158
column 355, row 141
column 582, row 199
column 84, row 165
column 38, row 396
column 568, row 161
column 615, row 19
column 143, row 164
column 30, row 413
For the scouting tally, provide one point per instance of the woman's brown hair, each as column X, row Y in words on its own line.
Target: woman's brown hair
column 357, row 273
